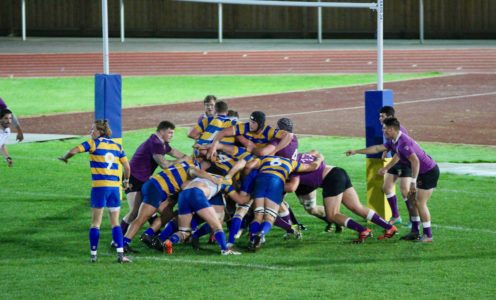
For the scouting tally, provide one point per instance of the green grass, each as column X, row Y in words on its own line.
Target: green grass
column 45, row 219
column 40, row 96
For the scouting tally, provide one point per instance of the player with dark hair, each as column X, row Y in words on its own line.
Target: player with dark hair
column 252, row 134
column 5, row 121
column 149, row 155
column 336, row 189
column 105, row 158
column 401, row 171
column 15, row 122
column 425, row 172
column 207, row 128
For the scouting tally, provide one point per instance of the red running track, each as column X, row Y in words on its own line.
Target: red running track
column 249, row 62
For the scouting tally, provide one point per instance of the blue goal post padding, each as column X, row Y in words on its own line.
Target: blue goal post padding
column 108, row 101
column 374, row 101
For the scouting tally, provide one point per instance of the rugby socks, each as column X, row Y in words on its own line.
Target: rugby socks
column 265, row 228
column 415, row 224
column 427, row 228
column 376, row 219
column 205, row 229
column 235, row 227
column 220, row 237
column 94, row 238
column 282, row 223
column 118, row 238
column 353, row 225
column 175, row 239
column 169, row 229
column 254, row 228
column 127, row 241
column 150, row 232
column 124, row 226
column 393, row 203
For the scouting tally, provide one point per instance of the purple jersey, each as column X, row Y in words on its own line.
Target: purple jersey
column 3, row 105
column 405, row 146
column 290, row 151
column 142, row 164
column 311, row 179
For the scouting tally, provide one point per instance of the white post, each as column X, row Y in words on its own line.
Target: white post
column 122, row 21
column 105, row 37
column 421, row 20
column 319, row 24
column 380, row 35
column 23, row 13
column 219, row 6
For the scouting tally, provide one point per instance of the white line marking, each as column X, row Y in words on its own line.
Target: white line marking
column 211, row 262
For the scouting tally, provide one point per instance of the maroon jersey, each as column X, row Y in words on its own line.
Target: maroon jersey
column 290, row 151
column 311, row 179
column 142, row 164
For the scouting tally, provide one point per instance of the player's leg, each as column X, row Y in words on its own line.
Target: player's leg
column 237, row 219
column 425, row 216
column 388, row 188
column 97, row 203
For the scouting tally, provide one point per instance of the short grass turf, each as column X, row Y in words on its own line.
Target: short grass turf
column 39, row 96
column 44, row 250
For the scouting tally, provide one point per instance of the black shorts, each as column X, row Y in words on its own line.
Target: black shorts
column 304, row 190
column 401, row 170
column 336, row 182
column 428, row 180
column 135, row 184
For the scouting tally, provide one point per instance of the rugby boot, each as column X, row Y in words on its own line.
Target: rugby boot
column 147, row 240
column 168, row 247
column 425, row 239
column 229, row 252
column 93, row 258
column 123, row 259
column 388, row 233
column 411, row 236
column 395, row 221
column 362, row 236
column 157, row 244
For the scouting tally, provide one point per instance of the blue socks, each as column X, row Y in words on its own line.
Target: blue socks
column 169, row 229
column 220, row 237
column 234, row 228
column 205, row 229
column 117, row 237
column 94, row 238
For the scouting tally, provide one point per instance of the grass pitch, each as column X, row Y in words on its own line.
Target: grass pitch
column 44, row 240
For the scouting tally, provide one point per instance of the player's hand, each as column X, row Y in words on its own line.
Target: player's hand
column 413, row 188
column 382, row 171
column 125, row 184
column 63, row 159
column 350, row 152
column 227, row 180
column 20, row 136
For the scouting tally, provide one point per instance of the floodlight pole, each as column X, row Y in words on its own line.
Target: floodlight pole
column 219, row 15
column 23, row 13
column 319, row 24
column 122, row 20
column 105, row 38
column 421, row 20
column 380, row 44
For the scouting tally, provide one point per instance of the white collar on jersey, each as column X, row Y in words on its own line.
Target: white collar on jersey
column 398, row 137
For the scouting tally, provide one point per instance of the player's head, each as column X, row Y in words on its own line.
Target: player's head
column 209, row 103
column 199, row 151
column 391, row 127
column 165, row 130
column 221, row 107
column 285, row 124
column 386, row 112
column 233, row 115
column 5, row 118
column 2, row 104
column 101, row 128
column 257, row 121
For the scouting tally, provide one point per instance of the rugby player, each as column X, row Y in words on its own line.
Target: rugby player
column 5, row 121
column 105, row 158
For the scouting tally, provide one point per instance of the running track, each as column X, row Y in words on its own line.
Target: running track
column 456, row 109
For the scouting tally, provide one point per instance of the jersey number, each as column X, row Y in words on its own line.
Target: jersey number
column 109, row 159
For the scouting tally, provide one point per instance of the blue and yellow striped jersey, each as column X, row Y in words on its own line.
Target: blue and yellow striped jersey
column 260, row 139
column 209, row 127
column 279, row 166
column 225, row 162
column 105, row 158
column 171, row 179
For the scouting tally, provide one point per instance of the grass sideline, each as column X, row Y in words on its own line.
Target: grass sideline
column 76, row 94
column 45, row 221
